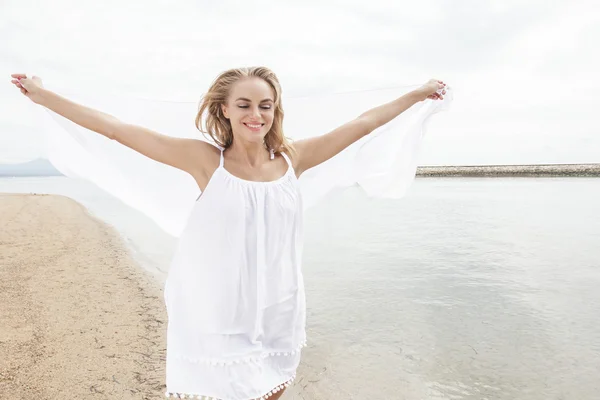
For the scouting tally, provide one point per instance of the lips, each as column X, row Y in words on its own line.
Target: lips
column 254, row 127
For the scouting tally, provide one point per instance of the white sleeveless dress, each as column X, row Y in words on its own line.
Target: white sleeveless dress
column 235, row 293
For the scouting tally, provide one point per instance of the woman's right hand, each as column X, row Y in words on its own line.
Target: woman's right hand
column 30, row 87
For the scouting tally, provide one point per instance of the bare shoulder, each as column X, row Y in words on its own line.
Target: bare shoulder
column 209, row 151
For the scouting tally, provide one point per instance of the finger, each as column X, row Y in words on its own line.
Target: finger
column 23, row 91
column 18, row 76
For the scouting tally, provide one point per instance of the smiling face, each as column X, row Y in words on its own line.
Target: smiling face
column 250, row 109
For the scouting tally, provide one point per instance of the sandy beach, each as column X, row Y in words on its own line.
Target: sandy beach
column 79, row 319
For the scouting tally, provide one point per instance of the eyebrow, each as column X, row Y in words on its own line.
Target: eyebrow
column 250, row 101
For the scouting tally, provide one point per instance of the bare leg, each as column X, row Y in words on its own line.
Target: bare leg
column 277, row 395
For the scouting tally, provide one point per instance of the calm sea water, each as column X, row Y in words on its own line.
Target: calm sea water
column 465, row 289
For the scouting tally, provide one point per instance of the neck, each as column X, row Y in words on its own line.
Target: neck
column 247, row 153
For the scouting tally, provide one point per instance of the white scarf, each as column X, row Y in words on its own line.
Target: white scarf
column 383, row 163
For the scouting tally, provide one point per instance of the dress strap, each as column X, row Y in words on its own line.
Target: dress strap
column 287, row 159
column 221, row 160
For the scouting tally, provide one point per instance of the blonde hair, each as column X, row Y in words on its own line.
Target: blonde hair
column 219, row 128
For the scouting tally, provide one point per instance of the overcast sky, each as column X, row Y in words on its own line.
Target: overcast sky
column 524, row 73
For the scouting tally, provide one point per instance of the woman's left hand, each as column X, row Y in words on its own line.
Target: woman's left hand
column 434, row 90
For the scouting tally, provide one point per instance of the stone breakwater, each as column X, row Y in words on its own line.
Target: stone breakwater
column 586, row 170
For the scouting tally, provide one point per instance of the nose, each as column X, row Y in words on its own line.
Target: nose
column 255, row 113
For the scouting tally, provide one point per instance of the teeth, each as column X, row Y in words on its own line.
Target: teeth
column 253, row 126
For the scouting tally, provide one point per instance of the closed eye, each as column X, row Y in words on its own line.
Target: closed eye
column 263, row 107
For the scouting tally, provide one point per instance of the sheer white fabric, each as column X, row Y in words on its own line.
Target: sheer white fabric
column 382, row 163
column 234, row 292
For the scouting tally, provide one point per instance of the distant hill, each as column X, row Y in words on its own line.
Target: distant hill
column 39, row 167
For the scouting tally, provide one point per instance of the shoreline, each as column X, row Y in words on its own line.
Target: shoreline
column 81, row 319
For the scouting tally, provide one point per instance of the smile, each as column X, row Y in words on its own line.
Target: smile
column 254, row 126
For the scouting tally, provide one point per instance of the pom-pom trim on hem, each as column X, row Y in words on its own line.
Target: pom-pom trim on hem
column 270, row 393
column 223, row 363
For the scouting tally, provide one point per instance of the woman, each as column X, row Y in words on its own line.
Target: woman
column 235, row 292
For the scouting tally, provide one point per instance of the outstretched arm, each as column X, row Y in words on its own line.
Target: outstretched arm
column 181, row 153
column 316, row 150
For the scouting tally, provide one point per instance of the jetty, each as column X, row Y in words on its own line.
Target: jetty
column 556, row 170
